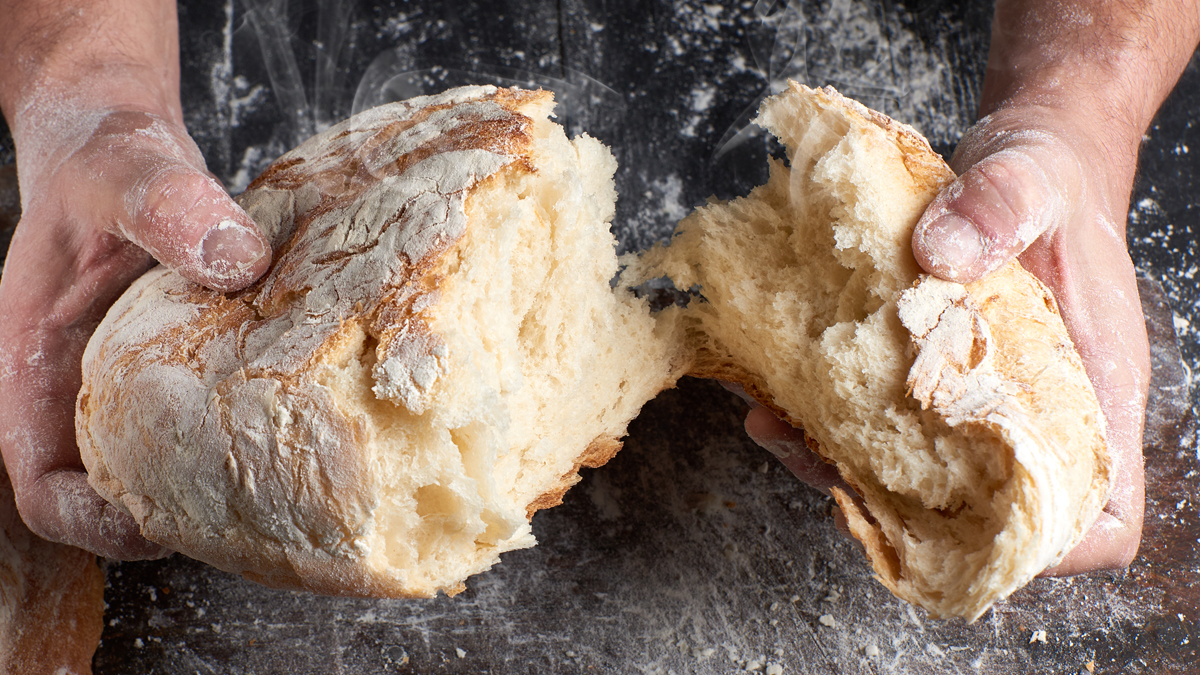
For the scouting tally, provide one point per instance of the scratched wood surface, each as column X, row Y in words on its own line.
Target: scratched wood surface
column 691, row 552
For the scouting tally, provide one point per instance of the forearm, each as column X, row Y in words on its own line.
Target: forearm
column 1118, row 59
column 115, row 53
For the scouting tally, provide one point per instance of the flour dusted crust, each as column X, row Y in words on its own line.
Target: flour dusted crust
column 960, row 416
column 433, row 355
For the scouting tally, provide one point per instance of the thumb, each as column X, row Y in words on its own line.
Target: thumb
column 1019, row 189
column 150, row 178
column 185, row 219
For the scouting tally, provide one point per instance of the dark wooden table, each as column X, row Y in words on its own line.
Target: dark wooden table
column 693, row 551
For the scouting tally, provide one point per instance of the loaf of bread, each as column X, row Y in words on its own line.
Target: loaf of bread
column 438, row 348
column 961, row 416
column 434, row 353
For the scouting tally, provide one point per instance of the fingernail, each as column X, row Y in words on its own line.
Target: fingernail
column 781, row 449
column 230, row 249
column 954, row 243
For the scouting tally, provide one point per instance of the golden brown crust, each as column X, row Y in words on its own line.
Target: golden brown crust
column 709, row 368
column 597, row 454
column 881, row 553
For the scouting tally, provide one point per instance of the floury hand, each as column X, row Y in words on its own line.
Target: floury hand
column 110, row 182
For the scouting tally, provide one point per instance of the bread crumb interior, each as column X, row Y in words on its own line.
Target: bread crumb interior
column 537, row 341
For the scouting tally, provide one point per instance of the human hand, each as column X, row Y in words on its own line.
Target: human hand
column 103, row 197
column 110, row 181
column 1046, row 178
column 1043, row 185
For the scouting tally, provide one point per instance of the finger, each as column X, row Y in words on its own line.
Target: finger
column 51, row 486
column 843, row 527
column 150, row 179
column 38, row 382
column 1112, row 541
column 187, row 222
column 49, row 314
column 739, row 391
column 53, row 597
column 67, row 510
column 1110, row 544
column 788, row 445
column 997, row 208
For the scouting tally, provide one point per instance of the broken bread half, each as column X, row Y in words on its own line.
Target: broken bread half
column 961, row 416
column 434, row 353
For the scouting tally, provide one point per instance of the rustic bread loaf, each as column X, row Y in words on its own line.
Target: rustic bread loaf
column 961, row 416
column 433, row 355
column 437, row 349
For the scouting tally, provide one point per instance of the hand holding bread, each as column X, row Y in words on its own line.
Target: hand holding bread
column 1045, row 177
column 1026, row 186
column 1066, row 226
column 110, row 181
column 434, row 354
